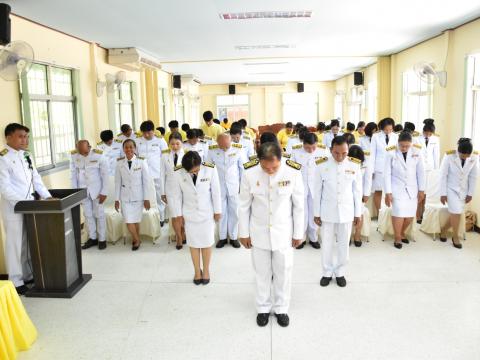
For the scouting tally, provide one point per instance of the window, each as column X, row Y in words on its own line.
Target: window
column 300, row 107
column 233, row 107
column 372, row 101
column 355, row 105
column 417, row 99
column 49, row 109
column 472, row 100
column 124, row 105
column 179, row 107
column 338, row 106
column 162, row 106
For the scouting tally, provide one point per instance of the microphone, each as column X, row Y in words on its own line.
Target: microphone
column 26, row 155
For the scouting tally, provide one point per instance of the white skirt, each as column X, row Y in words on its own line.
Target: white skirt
column 377, row 182
column 200, row 235
column 404, row 208
column 132, row 211
column 455, row 204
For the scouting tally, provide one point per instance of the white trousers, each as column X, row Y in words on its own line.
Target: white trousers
column 160, row 204
column 310, row 227
column 16, row 252
column 228, row 226
column 277, row 265
column 330, row 232
column 95, row 217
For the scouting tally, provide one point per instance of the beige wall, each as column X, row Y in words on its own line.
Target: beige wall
column 266, row 101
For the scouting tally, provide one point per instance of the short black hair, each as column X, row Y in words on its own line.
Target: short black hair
column 175, row 136
column 200, row 132
column 225, row 120
column 429, row 125
column 161, row 129
column 398, row 128
column 350, row 138
column 297, row 126
column 338, row 140
column 360, row 124
column 185, row 127
column 310, row 138
column 465, row 146
column 385, row 122
column 12, row 127
column 236, row 129
column 207, row 115
column 173, row 124
column 289, row 125
column 243, row 122
column 268, row 137
column 270, row 151
column 356, row 152
column 124, row 128
column 128, row 141
column 350, row 126
column 409, row 126
column 334, row 122
column 147, row 125
column 327, row 127
column 192, row 134
column 405, row 136
column 321, row 126
column 302, row 132
column 370, row 128
column 216, row 121
column 190, row 160
column 106, row 135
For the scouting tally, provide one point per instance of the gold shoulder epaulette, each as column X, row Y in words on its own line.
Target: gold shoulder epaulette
column 436, row 135
column 286, row 155
column 99, row 143
column 418, row 146
column 73, row 152
column 97, row 151
column 246, row 137
column 118, row 140
column 451, row 152
column 119, row 134
column 238, row 146
column 3, row 152
column 209, row 164
column 121, row 158
column 138, row 135
column 390, row 148
column 186, row 150
column 158, row 136
column 178, row 167
column 475, row 152
column 251, row 163
column 415, row 133
column 166, row 151
column 296, row 147
column 141, row 157
column 292, row 136
column 361, row 135
column 321, row 145
column 207, row 137
column 253, row 157
column 213, row 147
column 294, row 164
column 366, row 153
column 321, row 160
column 355, row 160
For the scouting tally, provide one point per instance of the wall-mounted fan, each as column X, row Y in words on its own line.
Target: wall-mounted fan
column 426, row 72
column 112, row 82
column 16, row 58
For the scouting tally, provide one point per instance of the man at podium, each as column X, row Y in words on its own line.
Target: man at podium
column 19, row 180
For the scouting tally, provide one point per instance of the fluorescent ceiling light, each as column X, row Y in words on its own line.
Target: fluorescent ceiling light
column 267, row 63
column 267, row 15
column 264, row 47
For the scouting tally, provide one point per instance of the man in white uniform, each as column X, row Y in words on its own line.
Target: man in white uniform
column 18, row 181
column 111, row 149
column 193, row 143
column 237, row 138
column 229, row 159
column 89, row 169
column 334, row 131
column 271, row 215
column 337, row 203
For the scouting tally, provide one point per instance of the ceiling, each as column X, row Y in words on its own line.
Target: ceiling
column 189, row 36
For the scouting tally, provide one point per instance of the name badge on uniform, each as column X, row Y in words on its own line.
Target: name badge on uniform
column 350, row 172
column 283, row 183
column 232, row 154
column 136, row 169
column 204, row 179
column 414, row 155
column 258, row 183
column 93, row 161
column 154, row 144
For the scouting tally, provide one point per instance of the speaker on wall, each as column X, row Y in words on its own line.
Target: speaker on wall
column 357, row 78
column 177, row 82
column 231, row 89
column 300, row 87
column 5, row 24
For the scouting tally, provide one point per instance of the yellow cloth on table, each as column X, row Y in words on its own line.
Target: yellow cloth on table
column 17, row 331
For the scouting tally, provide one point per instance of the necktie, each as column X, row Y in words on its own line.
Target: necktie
column 194, row 177
column 334, row 135
column 129, row 164
column 463, row 162
column 175, row 159
column 405, row 156
column 386, row 138
column 426, row 141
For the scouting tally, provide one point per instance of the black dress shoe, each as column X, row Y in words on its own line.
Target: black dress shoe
column 405, row 241
column 282, row 319
column 198, row 281
column 443, row 239
column 136, row 247
column 262, row 319
column 324, row 281
column 179, row 247
column 300, row 246
column 221, row 243
column 102, row 245
column 315, row 244
column 357, row 243
column 89, row 243
column 184, row 241
column 205, row 281
column 29, row 282
column 458, row 246
column 419, row 221
column 341, row 281
column 397, row 245
column 21, row 290
column 162, row 223
column 235, row 243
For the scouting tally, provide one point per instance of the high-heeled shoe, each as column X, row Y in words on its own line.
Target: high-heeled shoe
column 405, row 241
column 458, row 246
column 179, row 247
column 135, row 247
column 397, row 245
column 205, row 281
column 198, row 281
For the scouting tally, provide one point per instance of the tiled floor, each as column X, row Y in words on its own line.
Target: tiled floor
column 422, row 302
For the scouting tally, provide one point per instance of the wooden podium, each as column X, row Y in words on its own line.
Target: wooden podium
column 53, row 233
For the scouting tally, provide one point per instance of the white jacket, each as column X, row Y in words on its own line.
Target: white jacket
column 90, row 172
column 378, row 149
column 309, row 168
column 454, row 177
column 151, row 150
column 167, row 169
column 132, row 184
column 229, row 165
column 431, row 153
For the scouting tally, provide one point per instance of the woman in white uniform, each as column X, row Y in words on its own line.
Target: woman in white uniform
column 171, row 158
column 458, row 179
column 366, row 139
column 195, row 198
column 378, row 151
column 404, row 177
column 131, row 189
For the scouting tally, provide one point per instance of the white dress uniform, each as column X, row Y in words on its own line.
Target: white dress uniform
column 378, row 152
column 271, row 213
column 121, row 138
column 404, row 179
column 307, row 160
column 364, row 141
column 457, row 181
column 17, row 182
column 338, row 199
column 328, row 137
column 229, row 165
column 201, row 147
column 247, row 147
column 151, row 151
column 131, row 187
column 367, row 174
column 292, row 141
column 197, row 203
column 112, row 153
column 167, row 170
column 431, row 152
column 91, row 172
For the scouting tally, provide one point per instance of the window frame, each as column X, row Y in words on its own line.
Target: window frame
column 219, row 117
column 471, row 121
column 407, row 94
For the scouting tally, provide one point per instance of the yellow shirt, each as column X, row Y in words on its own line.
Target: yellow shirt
column 226, row 126
column 319, row 136
column 212, row 131
column 282, row 137
column 252, row 132
column 183, row 133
